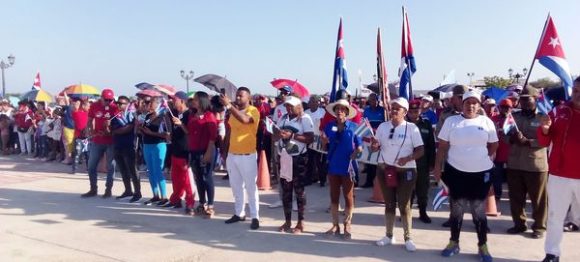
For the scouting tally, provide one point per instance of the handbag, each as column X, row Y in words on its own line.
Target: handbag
column 390, row 172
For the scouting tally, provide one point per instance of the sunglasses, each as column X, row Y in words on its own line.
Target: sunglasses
column 391, row 133
column 122, row 103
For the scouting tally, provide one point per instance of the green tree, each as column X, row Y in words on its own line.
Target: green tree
column 545, row 82
column 497, row 81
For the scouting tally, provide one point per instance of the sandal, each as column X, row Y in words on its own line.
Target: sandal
column 347, row 235
column 285, row 227
column 334, row 230
column 299, row 228
column 209, row 212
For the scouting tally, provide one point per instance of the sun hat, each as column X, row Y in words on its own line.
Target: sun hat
column 351, row 110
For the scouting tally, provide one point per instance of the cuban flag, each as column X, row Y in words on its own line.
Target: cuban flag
column 408, row 67
column 509, row 124
column 36, row 84
column 551, row 55
column 543, row 104
column 441, row 197
column 364, row 129
column 339, row 77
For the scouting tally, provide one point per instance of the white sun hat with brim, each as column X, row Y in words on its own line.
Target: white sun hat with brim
column 351, row 110
column 401, row 101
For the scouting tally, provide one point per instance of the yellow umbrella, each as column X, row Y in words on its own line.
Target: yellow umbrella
column 81, row 90
column 37, row 95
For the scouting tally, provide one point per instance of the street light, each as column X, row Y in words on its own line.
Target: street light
column 470, row 75
column 187, row 77
column 5, row 65
column 517, row 75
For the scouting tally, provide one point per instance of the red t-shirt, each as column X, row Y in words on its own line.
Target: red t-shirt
column 24, row 119
column 80, row 118
column 101, row 114
column 201, row 130
column 503, row 150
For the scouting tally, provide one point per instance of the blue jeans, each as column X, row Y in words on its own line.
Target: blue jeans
column 203, row 176
column 96, row 152
column 42, row 146
column 154, row 155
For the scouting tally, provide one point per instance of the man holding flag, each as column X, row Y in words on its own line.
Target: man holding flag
column 561, row 129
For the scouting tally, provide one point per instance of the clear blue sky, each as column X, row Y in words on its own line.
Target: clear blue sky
column 117, row 44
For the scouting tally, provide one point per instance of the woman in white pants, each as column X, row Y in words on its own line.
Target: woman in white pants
column 24, row 120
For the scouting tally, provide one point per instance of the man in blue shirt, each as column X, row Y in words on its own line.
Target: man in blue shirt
column 123, row 129
column 427, row 111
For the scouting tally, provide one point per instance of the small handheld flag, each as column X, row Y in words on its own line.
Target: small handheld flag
column 440, row 198
column 270, row 125
column 509, row 124
column 544, row 106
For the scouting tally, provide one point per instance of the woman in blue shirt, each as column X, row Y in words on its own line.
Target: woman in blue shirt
column 343, row 146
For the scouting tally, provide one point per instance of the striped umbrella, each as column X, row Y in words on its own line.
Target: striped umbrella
column 37, row 95
column 81, row 90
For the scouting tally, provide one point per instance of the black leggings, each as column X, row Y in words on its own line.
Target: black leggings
column 297, row 184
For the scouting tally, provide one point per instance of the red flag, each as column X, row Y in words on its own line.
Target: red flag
column 382, row 74
column 36, row 84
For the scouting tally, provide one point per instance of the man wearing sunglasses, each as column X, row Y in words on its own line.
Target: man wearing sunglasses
column 100, row 115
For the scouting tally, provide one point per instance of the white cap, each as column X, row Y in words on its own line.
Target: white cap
column 470, row 94
column 402, row 102
column 293, row 101
column 445, row 95
column 427, row 98
column 489, row 101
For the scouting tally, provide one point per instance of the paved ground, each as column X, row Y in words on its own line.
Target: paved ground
column 42, row 218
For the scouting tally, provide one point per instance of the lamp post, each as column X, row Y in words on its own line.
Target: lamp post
column 5, row 65
column 516, row 77
column 187, row 77
column 470, row 75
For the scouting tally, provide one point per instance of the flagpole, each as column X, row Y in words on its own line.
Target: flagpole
column 406, row 33
column 537, row 48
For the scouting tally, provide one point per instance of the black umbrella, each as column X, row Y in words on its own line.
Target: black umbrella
column 441, row 89
column 556, row 94
column 375, row 88
column 219, row 84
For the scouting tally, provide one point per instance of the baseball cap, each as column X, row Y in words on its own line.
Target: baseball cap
column 470, row 94
column 107, row 94
column 293, row 101
column 529, row 91
column 287, row 89
column 506, row 102
column 181, row 95
column 427, row 98
column 402, row 102
column 489, row 101
column 415, row 104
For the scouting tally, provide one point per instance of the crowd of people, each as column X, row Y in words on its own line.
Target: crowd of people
column 466, row 140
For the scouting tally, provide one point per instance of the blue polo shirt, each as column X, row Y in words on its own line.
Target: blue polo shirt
column 431, row 116
column 340, row 147
column 375, row 116
column 125, row 140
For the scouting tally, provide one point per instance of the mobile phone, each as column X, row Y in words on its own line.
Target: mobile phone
column 223, row 91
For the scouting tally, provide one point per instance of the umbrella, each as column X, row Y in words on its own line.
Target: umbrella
column 14, row 100
column 144, row 85
column 496, row 93
column 435, row 93
column 297, row 88
column 555, row 94
column 81, row 90
column 149, row 92
column 165, row 89
column 374, row 87
column 218, row 84
column 37, row 95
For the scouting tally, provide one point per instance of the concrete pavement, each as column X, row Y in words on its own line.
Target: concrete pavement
column 42, row 218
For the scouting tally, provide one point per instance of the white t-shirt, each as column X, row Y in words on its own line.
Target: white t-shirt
column 299, row 125
column 390, row 146
column 468, row 140
column 279, row 111
column 316, row 116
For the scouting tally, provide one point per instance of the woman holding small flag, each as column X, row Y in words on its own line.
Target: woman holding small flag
column 156, row 133
column 400, row 143
column 468, row 141
column 295, row 133
column 343, row 146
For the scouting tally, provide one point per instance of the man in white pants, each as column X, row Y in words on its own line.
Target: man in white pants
column 562, row 130
column 241, row 158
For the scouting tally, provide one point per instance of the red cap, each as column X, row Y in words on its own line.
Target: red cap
column 506, row 102
column 107, row 94
column 415, row 104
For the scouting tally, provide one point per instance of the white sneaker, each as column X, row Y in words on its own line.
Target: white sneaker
column 276, row 204
column 386, row 241
column 410, row 246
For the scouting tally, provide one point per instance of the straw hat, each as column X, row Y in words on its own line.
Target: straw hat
column 351, row 110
